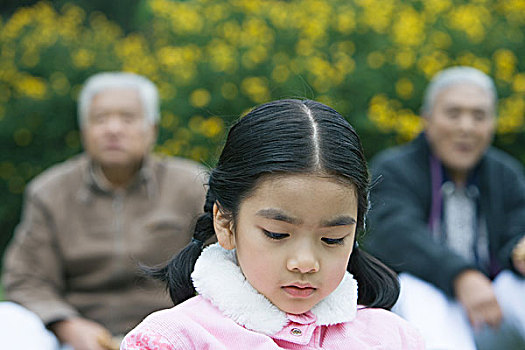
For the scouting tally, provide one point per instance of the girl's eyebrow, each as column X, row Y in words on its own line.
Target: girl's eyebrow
column 279, row 215
column 342, row 220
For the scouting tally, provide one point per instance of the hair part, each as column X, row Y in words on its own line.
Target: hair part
column 315, row 137
column 100, row 82
column 279, row 138
column 454, row 76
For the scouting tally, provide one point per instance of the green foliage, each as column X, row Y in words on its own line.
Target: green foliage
column 215, row 59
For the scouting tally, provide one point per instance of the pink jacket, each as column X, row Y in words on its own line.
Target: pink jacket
column 230, row 314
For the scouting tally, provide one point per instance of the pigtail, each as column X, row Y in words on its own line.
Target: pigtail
column 177, row 272
column 378, row 285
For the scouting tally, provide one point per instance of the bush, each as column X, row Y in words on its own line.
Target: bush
column 215, row 59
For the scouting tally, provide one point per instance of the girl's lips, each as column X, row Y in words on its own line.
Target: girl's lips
column 299, row 292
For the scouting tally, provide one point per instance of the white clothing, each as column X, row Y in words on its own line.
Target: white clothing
column 20, row 329
column 444, row 324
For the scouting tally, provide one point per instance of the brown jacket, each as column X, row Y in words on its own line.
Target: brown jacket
column 78, row 247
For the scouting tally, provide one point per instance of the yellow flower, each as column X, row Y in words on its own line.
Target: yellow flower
column 409, row 29
column 345, row 20
column 200, row 98
column 215, row 11
column 21, row 18
column 518, row 84
column 440, row 40
column 405, row 58
column 170, row 56
column 343, row 47
column 404, row 88
column 73, row 13
column 182, row 134
column 30, row 58
column 511, row 114
column 377, row 14
column 435, row 7
column 105, row 31
column 304, row 47
column 185, row 17
column 83, row 58
column 231, row 31
column 169, row 121
column 432, row 63
column 381, row 112
column 505, row 62
column 195, row 123
column 229, row 91
column 199, row 153
column 32, row 87
column 280, row 73
column 59, row 83
column 514, row 10
column 409, row 125
column 221, row 56
column 472, row 19
column 132, row 45
column 254, row 56
column 255, row 31
column 327, row 100
column 212, row 127
column 167, row 90
column 256, row 88
column 279, row 15
column 375, row 59
column 388, row 116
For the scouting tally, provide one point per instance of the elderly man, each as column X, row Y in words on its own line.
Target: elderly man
column 448, row 212
column 87, row 224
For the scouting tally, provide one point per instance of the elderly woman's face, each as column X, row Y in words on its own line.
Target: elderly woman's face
column 460, row 127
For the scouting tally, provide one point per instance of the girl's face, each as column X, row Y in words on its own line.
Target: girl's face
column 294, row 236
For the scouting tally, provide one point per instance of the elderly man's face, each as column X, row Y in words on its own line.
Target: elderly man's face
column 460, row 127
column 116, row 133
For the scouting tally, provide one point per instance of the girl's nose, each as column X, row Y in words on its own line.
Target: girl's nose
column 303, row 261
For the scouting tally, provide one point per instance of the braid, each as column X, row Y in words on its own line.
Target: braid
column 177, row 272
column 204, row 225
column 378, row 285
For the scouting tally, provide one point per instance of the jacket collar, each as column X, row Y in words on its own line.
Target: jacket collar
column 94, row 181
column 218, row 278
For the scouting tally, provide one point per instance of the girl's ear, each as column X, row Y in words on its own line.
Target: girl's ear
column 223, row 228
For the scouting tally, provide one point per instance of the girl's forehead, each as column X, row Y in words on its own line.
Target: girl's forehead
column 305, row 197
column 274, row 182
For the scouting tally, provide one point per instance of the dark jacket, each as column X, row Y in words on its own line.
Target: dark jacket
column 401, row 197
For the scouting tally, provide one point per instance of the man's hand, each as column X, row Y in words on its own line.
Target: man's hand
column 518, row 256
column 81, row 333
column 474, row 291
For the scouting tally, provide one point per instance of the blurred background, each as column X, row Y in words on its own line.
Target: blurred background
column 215, row 59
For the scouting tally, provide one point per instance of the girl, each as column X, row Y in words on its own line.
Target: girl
column 286, row 202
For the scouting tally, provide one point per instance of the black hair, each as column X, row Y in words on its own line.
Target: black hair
column 279, row 137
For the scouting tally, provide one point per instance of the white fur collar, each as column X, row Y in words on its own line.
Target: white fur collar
column 218, row 278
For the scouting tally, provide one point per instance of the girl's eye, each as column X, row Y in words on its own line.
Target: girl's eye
column 333, row 241
column 274, row 235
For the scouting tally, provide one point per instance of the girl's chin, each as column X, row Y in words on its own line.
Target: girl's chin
column 296, row 310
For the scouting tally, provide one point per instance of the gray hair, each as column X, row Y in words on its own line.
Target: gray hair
column 109, row 80
column 456, row 75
